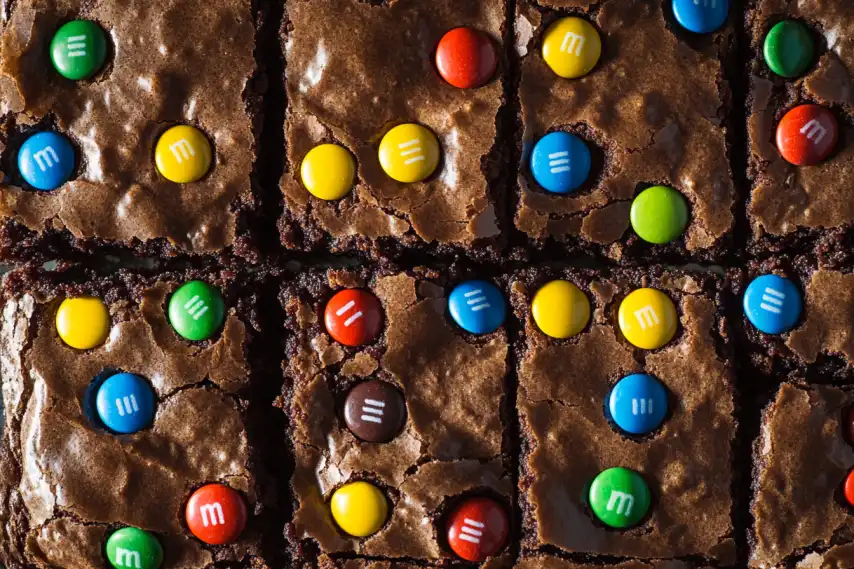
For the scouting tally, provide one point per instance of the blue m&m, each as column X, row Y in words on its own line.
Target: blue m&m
column 46, row 160
column 773, row 304
column 125, row 403
column 638, row 404
column 701, row 16
column 560, row 162
column 477, row 307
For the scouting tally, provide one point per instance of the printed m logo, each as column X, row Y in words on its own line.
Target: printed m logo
column 212, row 514
column 128, row 558
column 622, row 501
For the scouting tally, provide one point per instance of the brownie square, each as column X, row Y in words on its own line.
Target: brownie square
column 801, row 207
column 801, row 459
column 654, row 111
column 453, row 443
column 66, row 481
column 355, row 70
column 567, row 439
column 551, row 562
column 168, row 63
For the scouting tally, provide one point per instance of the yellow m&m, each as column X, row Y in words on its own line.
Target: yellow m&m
column 183, row 154
column 328, row 171
column 359, row 508
column 571, row 47
column 647, row 318
column 409, row 153
column 560, row 309
column 83, row 323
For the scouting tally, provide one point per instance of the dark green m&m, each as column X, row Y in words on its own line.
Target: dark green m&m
column 789, row 49
column 133, row 548
column 78, row 49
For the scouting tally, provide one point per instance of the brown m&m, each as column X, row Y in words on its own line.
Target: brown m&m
column 375, row 411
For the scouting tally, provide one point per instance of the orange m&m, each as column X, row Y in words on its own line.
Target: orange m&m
column 216, row 514
column 466, row 58
column 807, row 135
column 353, row 317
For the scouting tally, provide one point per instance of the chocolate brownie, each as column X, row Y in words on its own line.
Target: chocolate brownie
column 356, row 69
column 819, row 346
column 653, row 111
column 569, row 437
column 801, row 207
column 452, row 444
column 551, row 562
column 168, row 63
column 802, row 459
column 69, row 478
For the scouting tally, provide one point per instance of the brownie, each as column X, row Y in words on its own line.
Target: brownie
column 168, row 62
column 551, row 562
column 453, row 444
column 66, row 481
column 654, row 111
column 567, row 439
column 819, row 347
column 801, row 461
column 356, row 69
column 801, row 207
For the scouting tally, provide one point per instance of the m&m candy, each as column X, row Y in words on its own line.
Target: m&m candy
column 359, row 508
column 638, row 404
column 560, row 309
column 466, row 58
column 773, row 304
column 353, row 317
column 409, row 153
column 560, row 162
column 133, row 548
column 328, row 171
column 659, row 215
column 848, row 488
column 807, row 134
column 647, row 318
column 46, row 160
column 196, row 310
column 78, row 49
column 375, row 411
column 125, row 403
column 571, row 47
column 789, row 49
column 619, row 497
column 183, row 154
column 216, row 514
column 477, row 307
column 83, row 322
column 477, row 529
column 701, row 16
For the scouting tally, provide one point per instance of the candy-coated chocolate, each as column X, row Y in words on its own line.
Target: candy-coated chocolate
column 789, row 49
column 78, row 49
column 773, row 304
column 466, row 58
column 619, row 497
column 571, row 47
column 125, row 403
column 647, row 318
column 133, row 548
column 560, row 162
column 560, row 309
column 409, row 153
column 353, row 317
column 183, row 154
column 807, row 134
column 848, row 489
column 659, row 214
column 46, row 160
column 328, row 171
column 701, row 16
column 477, row 307
column 477, row 529
column 638, row 404
column 196, row 310
column 216, row 514
column 375, row 411
column 83, row 322
column 359, row 508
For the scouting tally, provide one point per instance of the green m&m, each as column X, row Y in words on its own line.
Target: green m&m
column 132, row 548
column 196, row 310
column 659, row 214
column 78, row 49
column 619, row 497
column 789, row 49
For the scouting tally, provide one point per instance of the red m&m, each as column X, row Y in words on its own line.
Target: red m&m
column 807, row 135
column 216, row 514
column 466, row 58
column 353, row 317
column 477, row 529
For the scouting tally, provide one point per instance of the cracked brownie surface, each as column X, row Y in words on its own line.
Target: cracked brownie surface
column 567, row 438
column 355, row 70
column 452, row 444
column 169, row 63
column 648, row 120
column 68, row 482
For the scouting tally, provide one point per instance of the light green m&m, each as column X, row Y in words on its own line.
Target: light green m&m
column 196, row 310
column 789, row 49
column 619, row 497
column 78, row 49
column 132, row 548
column 659, row 214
